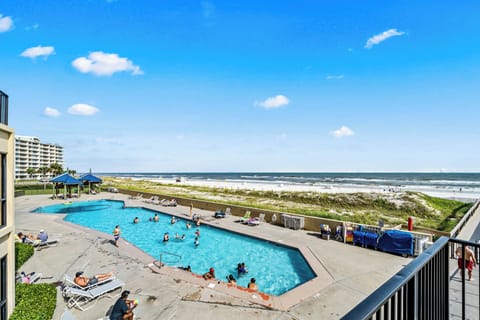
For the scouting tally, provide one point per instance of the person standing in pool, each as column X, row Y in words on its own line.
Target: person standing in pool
column 135, row 220
column 155, row 218
column 116, row 235
column 196, row 242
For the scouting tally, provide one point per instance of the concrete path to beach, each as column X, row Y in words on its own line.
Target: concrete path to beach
column 346, row 274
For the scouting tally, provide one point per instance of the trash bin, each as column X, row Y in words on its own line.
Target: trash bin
column 419, row 245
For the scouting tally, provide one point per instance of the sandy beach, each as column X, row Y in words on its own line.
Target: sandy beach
column 448, row 193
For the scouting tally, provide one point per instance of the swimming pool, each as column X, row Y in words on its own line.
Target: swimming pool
column 276, row 268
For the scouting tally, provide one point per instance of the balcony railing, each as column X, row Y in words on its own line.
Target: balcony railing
column 430, row 287
column 3, row 108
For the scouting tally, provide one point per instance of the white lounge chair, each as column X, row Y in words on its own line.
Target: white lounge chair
column 79, row 297
column 256, row 221
column 32, row 278
column 245, row 217
column 42, row 244
column 149, row 200
column 70, row 282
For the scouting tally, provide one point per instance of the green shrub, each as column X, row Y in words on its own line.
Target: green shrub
column 34, row 301
column 23, row 252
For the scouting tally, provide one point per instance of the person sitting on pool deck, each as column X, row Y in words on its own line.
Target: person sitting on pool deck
column 42, row 236
column 209, row 275
column 231, row 279
column 83, row 281
column 172, row 221
column 252, row 285
column 166, row 237
column 123, row 308
column 135, row 220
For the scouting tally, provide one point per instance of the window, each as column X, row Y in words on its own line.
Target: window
column 3, row 288
column 3, row 192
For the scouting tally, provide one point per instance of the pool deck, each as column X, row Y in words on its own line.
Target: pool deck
column 345, row 274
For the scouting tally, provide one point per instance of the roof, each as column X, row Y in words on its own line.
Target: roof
column 90, row 178
column 65, row 179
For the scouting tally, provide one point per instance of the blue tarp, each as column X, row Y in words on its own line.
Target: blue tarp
column 88, row 177
column 66, row 179
column 396, row 241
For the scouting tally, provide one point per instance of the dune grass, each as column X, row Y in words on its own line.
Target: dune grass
column 367, row 208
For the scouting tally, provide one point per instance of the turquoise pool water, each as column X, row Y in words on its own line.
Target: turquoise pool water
column 276, row 268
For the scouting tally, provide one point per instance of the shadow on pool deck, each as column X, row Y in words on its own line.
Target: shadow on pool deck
column 345, row 274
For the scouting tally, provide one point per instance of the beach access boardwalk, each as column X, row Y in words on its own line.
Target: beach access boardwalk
column 470, row 232
column 346, row 274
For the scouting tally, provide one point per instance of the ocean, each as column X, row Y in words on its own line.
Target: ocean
column 466, row 182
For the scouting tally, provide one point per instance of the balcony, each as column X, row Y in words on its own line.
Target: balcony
column 3, row 108
column 430, row 287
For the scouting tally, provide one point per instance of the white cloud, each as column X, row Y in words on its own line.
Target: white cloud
column 208, row 9
column 105, row 64
column 335, row 77
column 32, row 27
column 273, row 102
column 38, row 51
column 344, row 131
column 376, row 39
column 6, row 23
column 81, row 109
column 51, row 112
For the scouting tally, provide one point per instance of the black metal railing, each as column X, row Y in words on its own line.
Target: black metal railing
column 3, row 108
column 421, row 290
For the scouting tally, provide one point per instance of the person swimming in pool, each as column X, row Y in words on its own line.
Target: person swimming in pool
column 231, row 279
column 196, row 242
column 179, row 237
column 172, row 221
column 155, row 218
column 188, row 225
column 166, row 237
column 197, row 233
column 135, row 220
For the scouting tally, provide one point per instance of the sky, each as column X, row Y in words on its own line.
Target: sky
column 232, row 86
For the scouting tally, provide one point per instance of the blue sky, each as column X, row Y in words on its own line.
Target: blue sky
column 246, row 86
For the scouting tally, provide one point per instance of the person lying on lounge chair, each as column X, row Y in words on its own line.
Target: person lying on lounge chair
column 84, row 281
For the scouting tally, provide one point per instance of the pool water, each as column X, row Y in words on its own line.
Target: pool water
column 276, row 268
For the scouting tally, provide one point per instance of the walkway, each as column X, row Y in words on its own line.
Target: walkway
column 471, row 232
column 349, row 273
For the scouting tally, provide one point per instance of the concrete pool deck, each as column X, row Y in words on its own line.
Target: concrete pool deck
column 345, row 274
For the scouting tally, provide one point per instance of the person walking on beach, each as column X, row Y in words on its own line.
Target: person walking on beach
column 191, row 210
column 116, row 235
column 466, row 260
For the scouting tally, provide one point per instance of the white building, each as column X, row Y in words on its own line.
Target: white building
column 31, row 153
column 7, row 213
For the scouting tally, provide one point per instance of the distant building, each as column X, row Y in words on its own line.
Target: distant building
column 7, row 213
column 31, row 153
